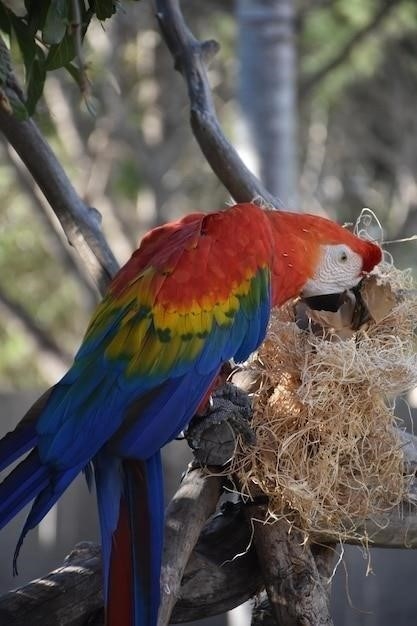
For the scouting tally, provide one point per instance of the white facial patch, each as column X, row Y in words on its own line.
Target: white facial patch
column 339, row 268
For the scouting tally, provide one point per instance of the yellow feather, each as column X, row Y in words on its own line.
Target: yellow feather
column 206, row 321
column 171, row 353
column 138, row 335
column 151, row 354
column 220, row 315
column 234, row 304
column 165, row 318
column 243, row 288
column 115, row 349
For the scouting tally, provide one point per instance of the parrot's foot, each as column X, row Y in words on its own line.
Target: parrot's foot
column 212, row 436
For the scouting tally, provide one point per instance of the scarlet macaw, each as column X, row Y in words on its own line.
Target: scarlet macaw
column 196, row 293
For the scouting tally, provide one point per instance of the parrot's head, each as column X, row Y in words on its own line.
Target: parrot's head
column 341, row 266
column 316, row 256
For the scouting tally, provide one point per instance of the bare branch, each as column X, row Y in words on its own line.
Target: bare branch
column 81, row 224
column 66, row 596
column 295, row 590
column 223, row 572
column 188, row 511
column 190, row 57
column 308, row 83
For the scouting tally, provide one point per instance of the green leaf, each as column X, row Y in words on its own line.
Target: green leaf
column 56, row 22
column 35, row 82
column 104, row 8
column 25, row 40
column 61, row 54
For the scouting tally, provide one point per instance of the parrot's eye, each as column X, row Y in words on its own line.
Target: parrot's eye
column 343, row 256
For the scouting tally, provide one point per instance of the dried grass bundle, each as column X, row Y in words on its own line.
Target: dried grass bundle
column 326, row 452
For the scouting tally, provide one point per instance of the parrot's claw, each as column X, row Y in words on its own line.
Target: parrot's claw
column 213, row 435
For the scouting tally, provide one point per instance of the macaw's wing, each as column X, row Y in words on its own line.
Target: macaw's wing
column 194, row 295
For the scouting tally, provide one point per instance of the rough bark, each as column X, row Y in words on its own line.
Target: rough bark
column 65, row 597
column 295, row 589
column 188, row 511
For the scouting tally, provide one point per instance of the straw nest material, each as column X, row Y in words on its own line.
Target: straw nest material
column 326, row 451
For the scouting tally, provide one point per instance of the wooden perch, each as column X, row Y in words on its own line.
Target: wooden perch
column 296, row 592
column 65, row 596
column 223, row 570
column 188, row 511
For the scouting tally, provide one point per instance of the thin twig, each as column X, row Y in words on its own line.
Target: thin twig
column 79, row 222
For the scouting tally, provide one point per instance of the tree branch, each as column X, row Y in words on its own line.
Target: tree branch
column 188, row 511
column 66, row 596
column 295, row 590
column 80, row 223
column 190, row 58
column 309, row 82
column 223, row 572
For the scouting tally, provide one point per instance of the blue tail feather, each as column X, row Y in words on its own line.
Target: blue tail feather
column 146, row 508
column 109, row 489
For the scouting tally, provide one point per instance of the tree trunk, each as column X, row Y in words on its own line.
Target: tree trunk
column 267, row 54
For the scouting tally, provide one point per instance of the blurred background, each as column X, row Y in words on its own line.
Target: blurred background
column 318, row 96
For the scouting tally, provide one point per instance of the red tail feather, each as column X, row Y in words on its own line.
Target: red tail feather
column 120, row 601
